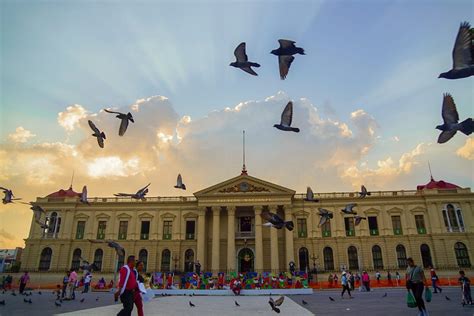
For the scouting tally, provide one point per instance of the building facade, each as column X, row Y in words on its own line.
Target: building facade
column 221, row 226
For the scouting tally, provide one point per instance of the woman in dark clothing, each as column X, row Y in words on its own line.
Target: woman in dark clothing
column 416, row 282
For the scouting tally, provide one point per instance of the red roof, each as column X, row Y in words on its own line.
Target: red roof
column 64, row 193
column 437, row 185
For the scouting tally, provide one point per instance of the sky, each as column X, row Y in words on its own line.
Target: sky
column 366, row 96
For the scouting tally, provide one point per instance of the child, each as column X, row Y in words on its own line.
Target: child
column 466, row 288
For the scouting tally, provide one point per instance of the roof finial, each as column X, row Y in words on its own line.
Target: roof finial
column 431, row 175
column 244, row 170
column 72, row 180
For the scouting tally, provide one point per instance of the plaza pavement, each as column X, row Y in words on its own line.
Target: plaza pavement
column 363, row 304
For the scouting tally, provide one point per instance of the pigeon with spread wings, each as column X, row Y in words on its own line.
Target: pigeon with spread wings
column 97, row 133
column 349, row 209
column 286, row 119
column 112, row 244
column 363, row 192
column 9, row 197
column 83, row 197
column 273, row 220
column 124, row 118
column 274, row 304
column 179, row 183
column 242, row 60
column 140, row 195
column 325, row 216
column 463, row 54
column 358, row 219
column 285, row 55
column 450, row 121
column 310, row 195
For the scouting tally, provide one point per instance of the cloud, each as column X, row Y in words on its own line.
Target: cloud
column 70, row 118
column 113, row 167
column 21, row 135
column 467, row 150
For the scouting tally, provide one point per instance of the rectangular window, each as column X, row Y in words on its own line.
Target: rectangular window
column 145, row 230
column 190, row 229
column 373, row 225
column 123, row 227
column 245, row 223
column 81, row 225
column 101, row 230
column 349, row 224
column 420, row 224
column 326, row 229
column 302, row 231
column 397, row 225
column 167, row 229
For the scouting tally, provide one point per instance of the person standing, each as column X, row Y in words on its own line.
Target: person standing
column 416, row 282
column 389, row 278
column 366, row 281
column 137, row 298
column 127, row 287
column 65, row 282
column 197, row 266
column 434, row 280
column 397, row 276
column 345, row 285
column 87, row 282
column 466, row 288
column 351, row 281
column 72, row 284
column 377, row 276
column 25, row 278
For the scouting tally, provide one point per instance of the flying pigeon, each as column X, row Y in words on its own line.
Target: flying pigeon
column 37, row 212
column 310, row 195
column 363, row 192
column 9, row 197
column 276, row 221
column 285, row 55
column 242, row 60
column 348, row 209
column 83, row 198
column 236, row 304
column 98, row 134
column 191, row 304
column 463, row 54
column 358, row 219
column 325, row 216
column 112, row 244
column 286, row 118
column 124, row 118
column 450, row 121
column 276, row 303
column 179, row 183
column 140, row 195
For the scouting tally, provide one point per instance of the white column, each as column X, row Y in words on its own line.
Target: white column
column 216, row 212
column 289, row 248
column 201, row 238
column 274, row 244
column 231, row 238
column 258, row 239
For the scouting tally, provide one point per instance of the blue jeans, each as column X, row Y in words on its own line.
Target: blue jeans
column 435, row 286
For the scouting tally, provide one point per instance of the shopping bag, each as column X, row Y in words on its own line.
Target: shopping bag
column 428, row 294
column 410, row 300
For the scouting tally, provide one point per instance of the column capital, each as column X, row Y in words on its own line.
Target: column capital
column 202, row 209
column 258, row 209
column 216, row 210
column 231, row 210
column 273, row 208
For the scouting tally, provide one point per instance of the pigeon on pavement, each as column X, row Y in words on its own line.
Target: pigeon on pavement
column 447, row 298
column 2, row 302
column 450, row 121
column 191, row 304
column 179, row 183
column 236, row 304
column 463, row 54
column 140, row 195
column 124, row 118
column 57, row 304
column 97, row 133
column 385, row 295
column 82, row 300
column 242, row 60
column 285, row 55
column 286, row 118
column 331, row 298
column 304, row 302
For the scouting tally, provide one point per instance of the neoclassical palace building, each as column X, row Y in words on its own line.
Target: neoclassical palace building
column 221, row 226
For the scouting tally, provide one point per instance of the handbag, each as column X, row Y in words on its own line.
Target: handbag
column 428, row 294
column 411, row 303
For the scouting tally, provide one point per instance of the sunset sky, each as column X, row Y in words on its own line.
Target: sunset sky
column 366, row 96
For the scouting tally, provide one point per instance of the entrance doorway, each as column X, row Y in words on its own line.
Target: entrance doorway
column 246, row 260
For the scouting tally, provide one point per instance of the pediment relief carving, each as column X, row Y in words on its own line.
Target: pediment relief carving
column 395, row 210
column 244, row 187
column 417, row 209
column 145, row 215
column 301, row 213
column 190, row 215
column 81, row 216
column 124, row 215
column 102, row 216
column 168, row 215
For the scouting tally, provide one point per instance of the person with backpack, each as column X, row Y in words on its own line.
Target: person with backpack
column 345, row 284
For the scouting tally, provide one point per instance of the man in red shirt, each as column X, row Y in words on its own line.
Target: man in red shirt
column 127, row 287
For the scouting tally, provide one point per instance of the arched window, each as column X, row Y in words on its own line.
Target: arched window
column 189, row 261
column 53, row 223
column 165, row 260
column 353, row 258
column 453, row 219
column 462, row 256
column 45, row 259
column 377, row 257
column 304, row 259
column 426, row 255
column 401, row 256
column 76, row 259
column 98, row 255
column 328, row 259
column 143, row 256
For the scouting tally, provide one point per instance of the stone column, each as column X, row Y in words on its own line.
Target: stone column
column 258, row 239
column 201, row 237
column 289, row 250
column 274, row 244
column 231, row 238
column 216, row 216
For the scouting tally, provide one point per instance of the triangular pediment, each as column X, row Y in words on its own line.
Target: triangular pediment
column 244, row 185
